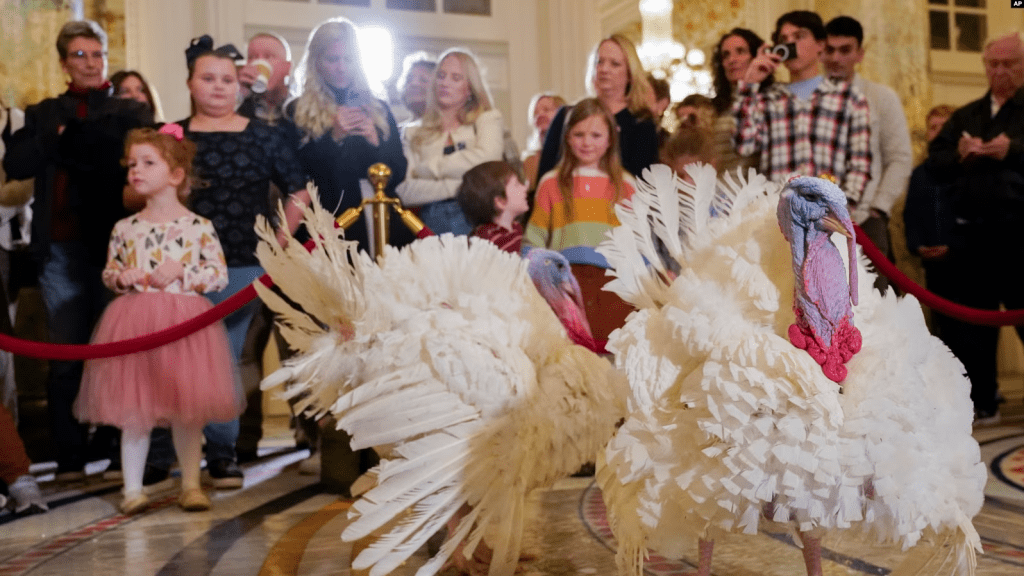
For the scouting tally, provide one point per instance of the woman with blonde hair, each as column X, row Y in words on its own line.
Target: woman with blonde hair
column 617, row 79
column 459, row 130
column 341, row 128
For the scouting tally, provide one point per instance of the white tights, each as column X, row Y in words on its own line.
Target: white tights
column 188, row 443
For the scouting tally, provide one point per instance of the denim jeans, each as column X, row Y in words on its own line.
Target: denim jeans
column 221, row 436
column 445, row 216
column 74, row 296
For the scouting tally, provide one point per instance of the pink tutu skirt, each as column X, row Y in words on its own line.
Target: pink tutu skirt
column 189, row 381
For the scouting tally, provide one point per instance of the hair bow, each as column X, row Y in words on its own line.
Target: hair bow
column 174, row 130
column 204, row 45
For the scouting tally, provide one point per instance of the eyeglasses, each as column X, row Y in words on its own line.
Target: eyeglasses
column 82, row 54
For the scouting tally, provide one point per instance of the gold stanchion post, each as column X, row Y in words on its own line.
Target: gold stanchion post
column 379, row 174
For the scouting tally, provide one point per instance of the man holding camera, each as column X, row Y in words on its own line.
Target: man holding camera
column 891, row 157
column 811, row 126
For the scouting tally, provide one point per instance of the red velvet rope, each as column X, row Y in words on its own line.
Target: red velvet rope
column 48, row 351
column 932, row 300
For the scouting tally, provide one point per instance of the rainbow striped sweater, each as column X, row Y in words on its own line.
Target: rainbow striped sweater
column 592, row 210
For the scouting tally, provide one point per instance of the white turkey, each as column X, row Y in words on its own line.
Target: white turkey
column 446, row 359
column 729, row 422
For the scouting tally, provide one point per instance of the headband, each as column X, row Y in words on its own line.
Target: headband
column 204, row 45
column 174, row 130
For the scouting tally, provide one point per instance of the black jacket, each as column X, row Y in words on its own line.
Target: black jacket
column 337, row 167
column 984, row 193
column 88, row 150
column 926, row 216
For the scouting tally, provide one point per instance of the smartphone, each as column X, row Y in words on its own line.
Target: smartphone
column 784, row 51
column 357, row 99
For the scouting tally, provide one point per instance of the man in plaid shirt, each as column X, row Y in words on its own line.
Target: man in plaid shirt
column 811, row 126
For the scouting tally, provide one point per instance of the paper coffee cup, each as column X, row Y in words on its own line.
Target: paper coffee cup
column 263, row 72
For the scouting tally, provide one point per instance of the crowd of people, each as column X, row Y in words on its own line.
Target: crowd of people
column 99, row 200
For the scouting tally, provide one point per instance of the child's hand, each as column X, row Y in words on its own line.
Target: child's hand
column 166, row 273
column 131, row 277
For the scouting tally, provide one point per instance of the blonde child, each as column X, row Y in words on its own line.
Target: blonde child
column 492, row 197
column 161, row 260
column 574, row 207
column 691, row 143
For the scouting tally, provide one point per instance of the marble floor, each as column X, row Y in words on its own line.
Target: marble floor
column 284, row 524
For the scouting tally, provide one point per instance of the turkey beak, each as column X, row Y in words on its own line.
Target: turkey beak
column 833, row 224
column 571, row 289
column 838, row 220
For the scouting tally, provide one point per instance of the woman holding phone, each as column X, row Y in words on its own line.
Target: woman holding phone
column 341, row 129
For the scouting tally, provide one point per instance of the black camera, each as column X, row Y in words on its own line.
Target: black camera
column 784, row 51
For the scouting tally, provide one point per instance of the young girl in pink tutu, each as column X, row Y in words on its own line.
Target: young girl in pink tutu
column 161, row 260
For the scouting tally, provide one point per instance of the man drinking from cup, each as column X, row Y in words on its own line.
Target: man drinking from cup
column 265, row 77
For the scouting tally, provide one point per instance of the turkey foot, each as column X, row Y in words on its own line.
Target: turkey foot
column 812, row 554
column 705, row 549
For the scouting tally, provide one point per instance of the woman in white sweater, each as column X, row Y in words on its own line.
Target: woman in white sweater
column 459, row 130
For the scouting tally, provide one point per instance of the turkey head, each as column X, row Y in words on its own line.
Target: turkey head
column 552, row 276
column 810, row 210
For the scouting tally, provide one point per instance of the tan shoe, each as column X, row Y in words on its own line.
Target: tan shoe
column 133, row 503
column 193, row 500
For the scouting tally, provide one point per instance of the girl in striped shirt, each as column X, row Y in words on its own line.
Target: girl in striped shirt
column 574, row 207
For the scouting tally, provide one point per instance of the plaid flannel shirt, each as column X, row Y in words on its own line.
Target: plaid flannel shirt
column 830, row 133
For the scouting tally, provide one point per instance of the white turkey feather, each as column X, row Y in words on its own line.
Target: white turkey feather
column 446, row 360
column 727, row 419
column 408, row 534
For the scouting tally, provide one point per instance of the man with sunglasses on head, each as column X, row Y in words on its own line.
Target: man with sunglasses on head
column 811, row 126
column 72, row 145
